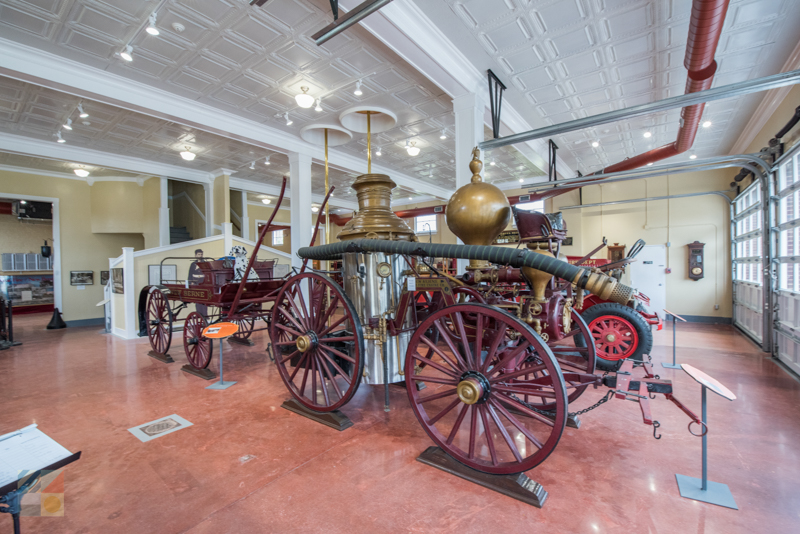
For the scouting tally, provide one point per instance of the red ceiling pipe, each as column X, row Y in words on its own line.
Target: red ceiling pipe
column 705, row 28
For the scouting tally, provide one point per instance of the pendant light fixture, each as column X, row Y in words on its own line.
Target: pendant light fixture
column 188, row 155
column 304, row 100
column 412, row 149
column 60, row 139
column 319, row 105
column 82, row 113
column 68, row 124
column 83, row 173
column 266, row 200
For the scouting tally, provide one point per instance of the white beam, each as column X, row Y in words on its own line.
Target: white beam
column 300, row 176
column 163, row 212
column 267, row 189
column 29, row 146
column 42, row 68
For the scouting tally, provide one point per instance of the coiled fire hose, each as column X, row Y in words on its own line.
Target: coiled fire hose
column 603, row 286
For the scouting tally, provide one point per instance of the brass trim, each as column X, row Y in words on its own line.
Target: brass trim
column 303, row 343
column 468, row 391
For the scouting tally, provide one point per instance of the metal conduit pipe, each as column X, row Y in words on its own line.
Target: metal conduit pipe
column 705, row 28
column 604, row 286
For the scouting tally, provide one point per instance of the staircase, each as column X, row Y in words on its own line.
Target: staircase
column 178, row 235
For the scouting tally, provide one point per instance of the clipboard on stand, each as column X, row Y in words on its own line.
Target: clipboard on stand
column 27, row 452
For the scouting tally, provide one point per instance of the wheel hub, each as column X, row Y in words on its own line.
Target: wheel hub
column 611, row 338
column 473, row 388
column 306, row 341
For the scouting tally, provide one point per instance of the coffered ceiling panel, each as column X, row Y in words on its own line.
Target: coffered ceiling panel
column 568, row 59
column 251, row 62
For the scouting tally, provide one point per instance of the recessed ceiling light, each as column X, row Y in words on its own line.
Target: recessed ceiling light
column 178, row 27
column 83, row 173
column 289, row 121
column 707, row 124
column 127, row 53
column 68, row 124
column 412, row 149
column 358, row 91
column 595, row 144
column 82, row 113
column 521, row 180
column 647, row 134
column 60, row 139
column 188, row 155
column 378, row 152
column 443, row 136
column 266, row 200
column 266, row 160
column 151, row 28
column 492, row 162
column 319, row 105
column 693, row 156
column 304, row 100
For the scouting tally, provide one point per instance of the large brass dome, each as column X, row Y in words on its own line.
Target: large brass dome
column 478, row 212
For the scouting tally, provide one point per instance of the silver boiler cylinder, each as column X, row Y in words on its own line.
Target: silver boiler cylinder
column 375, row 290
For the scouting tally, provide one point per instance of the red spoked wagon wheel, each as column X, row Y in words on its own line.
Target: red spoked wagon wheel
column 318, row 342
column 159, row 321
column 246, row 326
column 472, row 405
column 198, row 348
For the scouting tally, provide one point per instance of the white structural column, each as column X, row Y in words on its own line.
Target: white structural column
column 209, row 208
column 129, row 298
column 163, row 212
column 469, row 109
column 227, row 237
column 245, row 218
column 300, row 195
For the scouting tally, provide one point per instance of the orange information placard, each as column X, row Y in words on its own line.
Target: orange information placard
column 220, row 330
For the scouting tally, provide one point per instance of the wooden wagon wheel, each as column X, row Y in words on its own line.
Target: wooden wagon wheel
column 159, row 321
column 573, row 355
column 246, row 326
column 318, row 342
column 471, row 407
column 198, row 348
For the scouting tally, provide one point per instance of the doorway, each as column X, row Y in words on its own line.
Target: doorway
column 649, row 276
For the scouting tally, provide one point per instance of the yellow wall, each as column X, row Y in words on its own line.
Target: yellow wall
column 116, row 208
column 151, row 202
column 236, row 208
column 181, row 212
column 80, row 248
column 678, row 221
column 262, row 214
column 20, row 236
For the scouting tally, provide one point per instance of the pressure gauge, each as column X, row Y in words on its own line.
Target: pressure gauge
column 384, row 270
column 697, row 271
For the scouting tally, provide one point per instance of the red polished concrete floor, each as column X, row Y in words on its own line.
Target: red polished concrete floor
column 85, row 390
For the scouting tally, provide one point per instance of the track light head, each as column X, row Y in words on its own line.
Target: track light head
column 151, row 27
column 127, row 54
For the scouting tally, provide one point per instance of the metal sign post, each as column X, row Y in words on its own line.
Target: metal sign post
column 220, row 331
column 702, row 489
column 675, row 318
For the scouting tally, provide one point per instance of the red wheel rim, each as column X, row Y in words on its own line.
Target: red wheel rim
column 159, row 322
column 489, row 429
column 198, row 348
column 615, row 337
column 323, row 369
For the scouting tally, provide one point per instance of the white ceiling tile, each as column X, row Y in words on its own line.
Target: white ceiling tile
column 560, row 14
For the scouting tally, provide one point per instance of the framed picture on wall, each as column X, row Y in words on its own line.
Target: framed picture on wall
column 81, row 278
column 104, row 275
column 119, row 285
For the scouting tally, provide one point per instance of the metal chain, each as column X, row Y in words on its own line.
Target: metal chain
column 548, row 413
